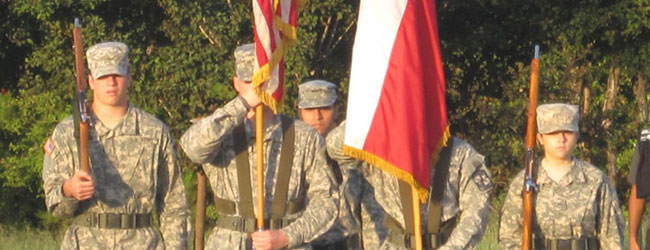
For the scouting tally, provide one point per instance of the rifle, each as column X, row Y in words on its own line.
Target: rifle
column 80, row 108
column 531, row 131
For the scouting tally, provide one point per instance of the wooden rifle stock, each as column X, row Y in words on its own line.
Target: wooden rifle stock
column 81, row 97
column 531, row 130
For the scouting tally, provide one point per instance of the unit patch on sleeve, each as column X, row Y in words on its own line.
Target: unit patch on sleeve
column 482, row 180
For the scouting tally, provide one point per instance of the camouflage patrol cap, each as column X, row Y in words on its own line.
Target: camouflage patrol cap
column 245, row 61
column 316, row 94
column 557, row 117
column 108, row 58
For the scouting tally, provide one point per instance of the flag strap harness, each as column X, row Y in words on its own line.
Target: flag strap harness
column 437, row 231
column 279, row 207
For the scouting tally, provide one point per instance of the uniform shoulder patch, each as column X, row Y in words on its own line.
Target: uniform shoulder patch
column 482, row 180
column 48, row 147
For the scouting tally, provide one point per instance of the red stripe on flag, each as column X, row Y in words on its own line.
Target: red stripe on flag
column 411, row 116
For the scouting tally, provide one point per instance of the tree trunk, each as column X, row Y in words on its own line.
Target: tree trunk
column 640, row 93
column 585, row 90
column 586, row 98
column 607, row 123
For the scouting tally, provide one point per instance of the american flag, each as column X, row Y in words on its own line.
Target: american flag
column 275, row 32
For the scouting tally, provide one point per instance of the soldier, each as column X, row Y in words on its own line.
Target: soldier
column 134, row 168
column 317, row 107
column 300, row 191
column 639, row 171
column 574, row 207
column 455, row 216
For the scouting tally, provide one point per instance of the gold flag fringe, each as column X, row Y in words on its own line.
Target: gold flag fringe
column 391, row 169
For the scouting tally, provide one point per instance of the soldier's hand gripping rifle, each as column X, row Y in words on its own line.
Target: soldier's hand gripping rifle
column 531, row 130
column 80, row 108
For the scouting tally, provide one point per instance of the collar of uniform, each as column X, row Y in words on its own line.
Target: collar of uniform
column 127, row 126
column 272, row 129
column 576, row 174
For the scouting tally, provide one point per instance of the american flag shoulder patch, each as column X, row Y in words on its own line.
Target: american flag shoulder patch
column 48, row 147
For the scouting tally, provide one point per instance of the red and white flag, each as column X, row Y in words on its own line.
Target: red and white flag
column 397, row 116
column 274, row 31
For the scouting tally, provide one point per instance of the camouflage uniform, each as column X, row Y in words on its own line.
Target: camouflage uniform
column 135, row 170
column 579, row 207
column 466, row 195
column 344, row 233
column 582, row 204
column 210, row 142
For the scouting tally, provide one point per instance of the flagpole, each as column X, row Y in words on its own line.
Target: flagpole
column 199, row 227
column 259, row 144
column 417, row 220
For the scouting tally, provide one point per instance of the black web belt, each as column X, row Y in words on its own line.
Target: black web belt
column 429, row 240
column 583, row 243
column 113, row 220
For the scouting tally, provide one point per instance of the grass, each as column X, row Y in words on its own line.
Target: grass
column 28, row 239
column 489, row 241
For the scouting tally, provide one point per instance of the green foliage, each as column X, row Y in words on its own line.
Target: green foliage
column 487, row 47
column 182, row 65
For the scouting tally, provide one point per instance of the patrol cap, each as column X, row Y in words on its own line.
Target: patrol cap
column 557, row 117
column 108, row 58
column 316, row 94
column 245, row 61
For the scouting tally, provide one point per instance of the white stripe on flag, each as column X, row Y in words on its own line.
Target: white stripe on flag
column 286, row 9
column 377, row 26
column 261, row 27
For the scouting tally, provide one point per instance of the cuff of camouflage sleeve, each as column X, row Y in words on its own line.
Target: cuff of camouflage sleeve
column 293, row 238
column 237, row 108
column 61, row 205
